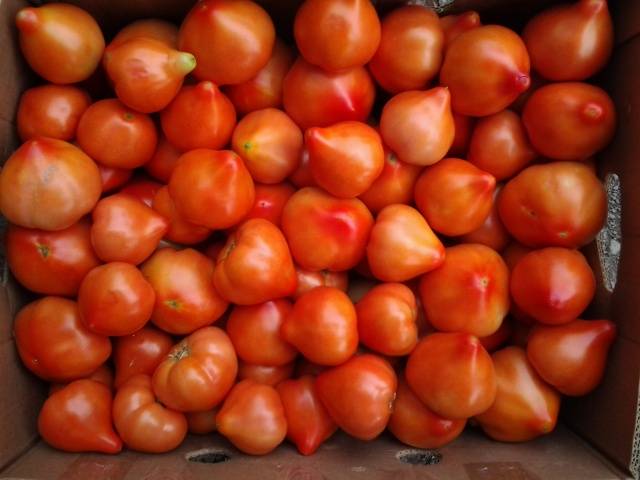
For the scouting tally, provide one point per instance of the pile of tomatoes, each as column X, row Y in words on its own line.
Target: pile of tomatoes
column 213, row 296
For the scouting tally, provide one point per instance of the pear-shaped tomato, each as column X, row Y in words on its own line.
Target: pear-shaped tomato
column 270, row 201
column 113, row 177
column 179, row 230
column 203, row 422
column 463, row 126
column 163, row 161
column 142, row 189
column 103, row 374
column 266, row 374
column 154, row 28
column 308, row 280
column 455, row 25
column 492, row 232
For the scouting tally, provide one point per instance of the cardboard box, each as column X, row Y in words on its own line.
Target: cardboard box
column 599, row 436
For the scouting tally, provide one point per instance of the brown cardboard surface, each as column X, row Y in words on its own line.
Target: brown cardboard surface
column 626, row 18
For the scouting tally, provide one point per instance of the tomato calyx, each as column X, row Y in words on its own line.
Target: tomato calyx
column 173, row 303
column 43, row 250
column 226, row 251
column 181, row 353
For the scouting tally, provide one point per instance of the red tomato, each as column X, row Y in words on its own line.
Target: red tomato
column 77, row 418
column 469, row 292
column 345, row 158
column 302, row 176
column 387, row 319
column 305, row 367
column 231, row 39
column 498, row 338
column 143, row 423
column 492, row 232
column 102, row 374
column 125, row 229
column 455, row 25
column 116, row 136
column 415, row 31
column 337, row 34
column 62, row 43
column 454, row 196
column 54, row 343
column 525, row 407
column 270, row 143
column 113, row 178
column 346, row 95
column 463, row 126
column 265, row 374
column 252, row 418
column 414, row 424
column 556, row 204
column 202, row 423
column 153, row 28
column 200, row 116
column 179, row 229
column 142, row 189
column 485, row 69
column 163, row 161
column 255, row 333
column 308, row 280
column 402, row 245
column 323, row 326
column 418, row 125
column 270, row 201
column 452, row 374
column 212, row 188
column 48, row 184
column 308, row 422
column 570, row 42
column 359, row 395
column 342, row 225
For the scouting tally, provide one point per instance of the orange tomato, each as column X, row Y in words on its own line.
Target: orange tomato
column 492, row 232
column 102, row 374
column 270, row 201
column 267, row 375
column 153, row 28
column 308, row 280
column 455, row 25
column 113, row 177
column 179, row 230
column 142, row 189
column 163, row 161
column 202, row 423
column 463, row 126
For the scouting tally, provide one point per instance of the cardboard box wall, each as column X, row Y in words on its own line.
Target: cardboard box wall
column 599, row 438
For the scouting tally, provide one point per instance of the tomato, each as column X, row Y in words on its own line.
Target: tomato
column 270, row 201
column 116, row 136
column 202, row 423
column 498, row 338
column 255, row 265
column 463, row 126
column 270, row 143
column 231, row 40
column 337, row 35
column 452, row 374
column 418, row 125
column 308, row 422
column 252, row 418
column 569, row 121
column 402, row 245
column 179, row 229
column 62, row 43
column 454, row 196
column 525, row 406
column 125, row 229
column 268, row 375
column 345, row 158
column 414, row 424
column 387, row 319
column 346, row 95
column 163, row 161
column 54, row 343
column 198, row 372
column 455, row 25
column 113, row 177
column 153, row 28
column 492, row 232
column 570, row 42
column 139, row 353
column 571, row 357
column 144, row 424
column 556, row 204
column 499, row 145
column 255, row 333
column 302, row 176
column 77, row 418
column 265, row 89
column 323, row 326
column 305, row 367
column 415, row 31
column 52, row 263
column 359, row 395
column 200, row 116
column 51, row 111
column 212, row 188
column 485, row 69
column 142, row 189
column 308, row 280
column 342, row 225
column 469, row 292
column 48, row 184
column 102, row 374
column 146, row 73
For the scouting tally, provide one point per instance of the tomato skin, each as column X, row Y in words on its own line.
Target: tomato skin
column 525, row 406
column 387, row 319
column 153, row 28
column 62, row 43
column 308, row 280
column 54, row 343
column 539, row 211
column 415, row 31
column 255, row 333
column 402, row 245
column 163, row 161
column 142, row 189
column 212, row 188
column 144, row 424
column 77, row 418
column 492, row 232
column 179, row 230
column 308, row 422
column 63, row 185
column 202, row 423
column 359, row 395
column 498, row 338
column 302, row 176
column 455, row 25
column 113, row 178
column 252, row 418
column 463, row 130
column 414, row 424
column 347, row 95
column 343, row 225
column 267, row 375
column 452, row 374
column 116, row 136
column 102, row 374
column 571, row 357
column 270, row 201
column 323, row 326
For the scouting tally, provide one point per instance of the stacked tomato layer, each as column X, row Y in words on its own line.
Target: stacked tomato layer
column 193, row 229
